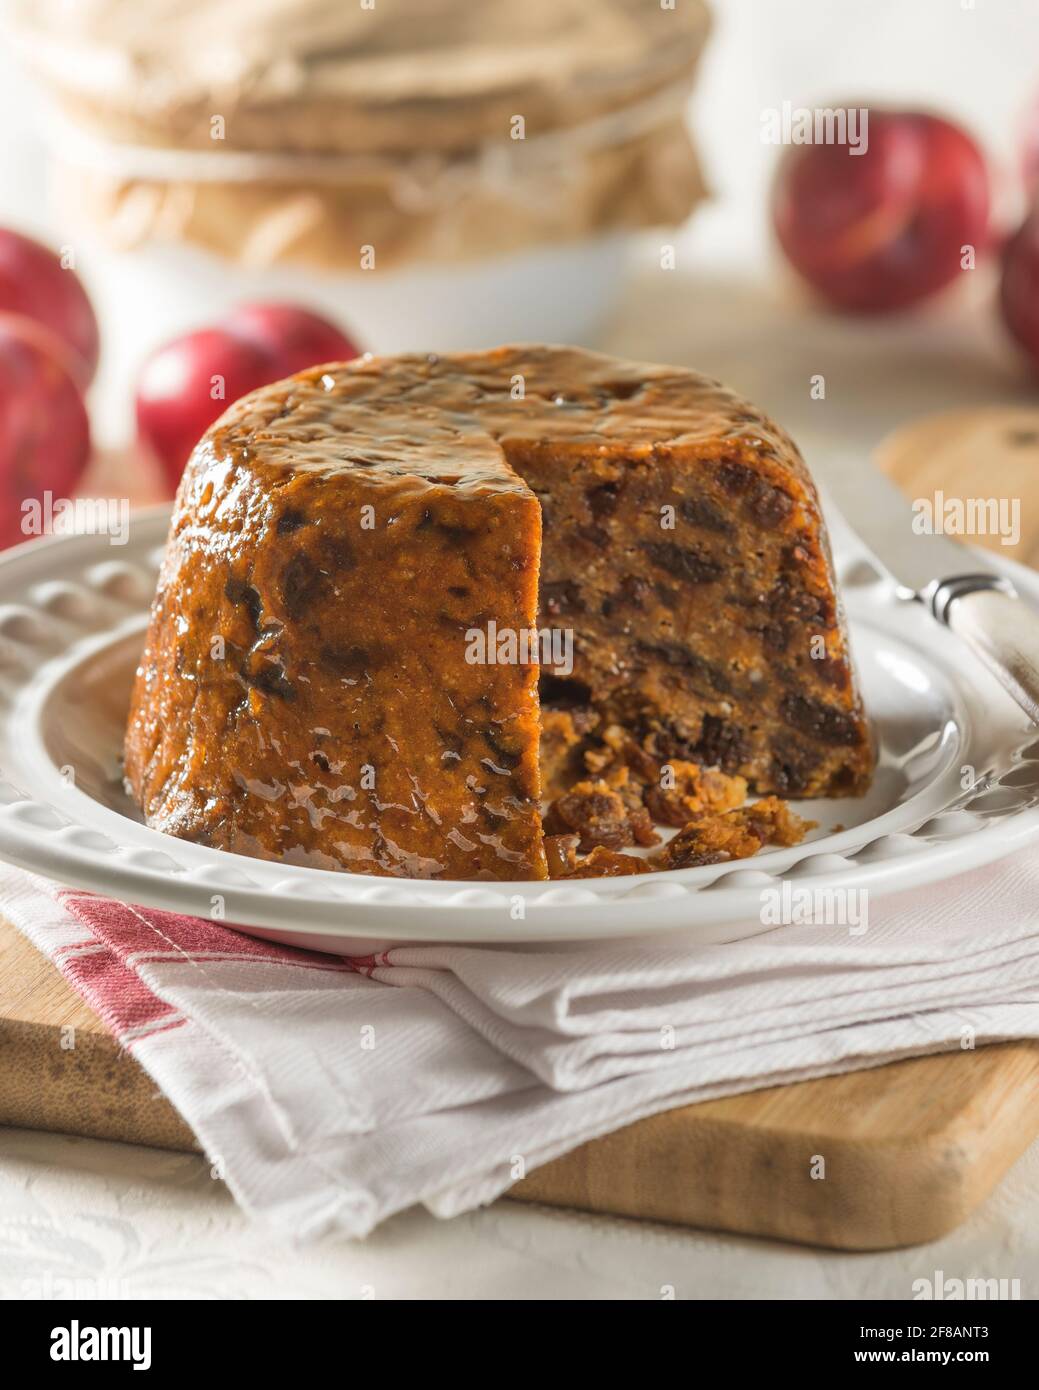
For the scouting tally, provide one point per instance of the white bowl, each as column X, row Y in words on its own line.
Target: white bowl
column 554, row 294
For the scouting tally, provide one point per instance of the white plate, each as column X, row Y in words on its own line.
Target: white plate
column 72, row 613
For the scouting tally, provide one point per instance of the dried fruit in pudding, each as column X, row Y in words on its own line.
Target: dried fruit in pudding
column 561, row 854
column 736, row 834
column 598, row 815
column 608, row 863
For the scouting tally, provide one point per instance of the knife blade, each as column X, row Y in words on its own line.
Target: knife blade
column 960, row 587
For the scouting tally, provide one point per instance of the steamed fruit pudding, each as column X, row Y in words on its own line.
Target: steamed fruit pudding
column 311, row 691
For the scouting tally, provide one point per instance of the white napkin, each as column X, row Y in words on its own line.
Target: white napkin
column 331, row 1095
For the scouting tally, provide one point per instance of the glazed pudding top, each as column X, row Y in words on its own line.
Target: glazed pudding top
column 458, row 419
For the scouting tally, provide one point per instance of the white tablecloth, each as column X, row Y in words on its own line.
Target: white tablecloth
column 118, row 1220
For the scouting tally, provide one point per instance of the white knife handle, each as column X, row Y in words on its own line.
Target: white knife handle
column 1004, row 632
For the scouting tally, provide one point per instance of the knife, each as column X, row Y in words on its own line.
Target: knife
column 959, row 586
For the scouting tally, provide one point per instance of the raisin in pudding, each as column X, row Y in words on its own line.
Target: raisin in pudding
column 309, row 691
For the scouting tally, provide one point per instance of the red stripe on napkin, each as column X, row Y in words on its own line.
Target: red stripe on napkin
column 121, row 999
column 102, row 967
column 144, row 931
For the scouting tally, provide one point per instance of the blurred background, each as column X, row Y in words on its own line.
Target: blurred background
column 637, row 214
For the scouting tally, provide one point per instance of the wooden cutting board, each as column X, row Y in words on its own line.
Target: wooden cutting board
column 890, row 1156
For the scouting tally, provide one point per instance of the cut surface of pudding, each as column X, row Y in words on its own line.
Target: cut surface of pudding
column 367, row 560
